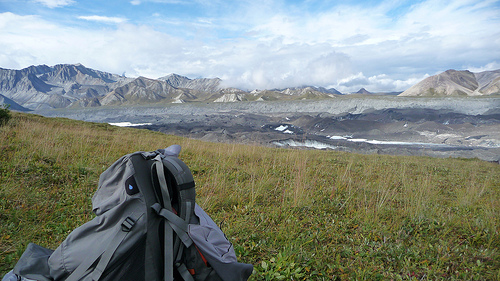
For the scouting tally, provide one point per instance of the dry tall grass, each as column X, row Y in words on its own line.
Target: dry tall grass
column 294, row 214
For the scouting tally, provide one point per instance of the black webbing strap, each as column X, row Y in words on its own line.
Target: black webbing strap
column 105, row 256
column 178, row 225
column 184, row 272
column 153, row 163
column 126, row 226
column 168, row 246
column 153, row 254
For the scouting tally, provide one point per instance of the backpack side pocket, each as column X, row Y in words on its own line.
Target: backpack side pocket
column 216, row 248
column 210, row 239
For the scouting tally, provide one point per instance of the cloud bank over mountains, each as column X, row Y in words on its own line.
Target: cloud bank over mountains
column 381, row 45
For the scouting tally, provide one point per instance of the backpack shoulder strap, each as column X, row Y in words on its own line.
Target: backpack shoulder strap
column 184, row 186
column 161, row 179
column 142, row 163
column 180, row 189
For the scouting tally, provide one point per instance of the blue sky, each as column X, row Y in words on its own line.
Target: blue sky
column 256, row 44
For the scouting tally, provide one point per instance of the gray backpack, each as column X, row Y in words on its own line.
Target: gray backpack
column 147, row 227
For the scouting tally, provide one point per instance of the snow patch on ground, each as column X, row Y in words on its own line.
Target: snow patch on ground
column 284, row 129
column 128, row 124
column 347, row 138
column 281, row 128
column 306, row 143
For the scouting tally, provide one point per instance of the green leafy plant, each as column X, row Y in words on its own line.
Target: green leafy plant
column 280, row 268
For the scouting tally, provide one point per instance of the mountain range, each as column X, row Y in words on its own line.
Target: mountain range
column 74, row 85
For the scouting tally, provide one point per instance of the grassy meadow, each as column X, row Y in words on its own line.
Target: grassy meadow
column 293, row 214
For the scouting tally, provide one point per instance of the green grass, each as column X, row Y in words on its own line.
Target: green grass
column 293, row 214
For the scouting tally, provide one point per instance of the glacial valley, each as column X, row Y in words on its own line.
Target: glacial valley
column 467, row 127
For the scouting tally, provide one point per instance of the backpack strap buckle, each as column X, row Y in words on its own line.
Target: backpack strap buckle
column 127, row 224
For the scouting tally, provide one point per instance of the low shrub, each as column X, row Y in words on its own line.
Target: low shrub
column 4, row 114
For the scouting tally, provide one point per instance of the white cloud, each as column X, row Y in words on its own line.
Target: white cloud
column 270, row 44
column 140, row 50
column 55, row 3
column 376, row 83
column 103, row 19
column 275, row 64
column 138, row 2
column 488, row 67
column 447, row 33
column 351, row 81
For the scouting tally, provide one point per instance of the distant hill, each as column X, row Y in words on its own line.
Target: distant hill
column 59, row 86
column 311, row 91
column 211, row 85
column 363, row 91
column 488, row 82
column 12, row 104
column 74, row 85
column 457, row 83
column 144, row 90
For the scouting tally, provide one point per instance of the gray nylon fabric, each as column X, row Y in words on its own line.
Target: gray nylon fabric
column 180, row 171
column 11, row 276
column 168, row 244
column 112, row 205
column 215, row 247
column 207, row 231
column 110, row 192
column 35, row 263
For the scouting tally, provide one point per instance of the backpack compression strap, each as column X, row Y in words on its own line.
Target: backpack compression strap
column 168, row 235
column 150, row 171
column 142, row 163
column 106, row 254
column 184, row 189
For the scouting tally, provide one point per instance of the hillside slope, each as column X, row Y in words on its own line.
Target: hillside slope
column 38, row 87
column 293, row 214
column 457, row 83
column 12, row 104
column 142, row 90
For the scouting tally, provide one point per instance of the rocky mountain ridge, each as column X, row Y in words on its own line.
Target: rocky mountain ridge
column 457, row 83
column 59, row 86
column 75, row 86
column 211, row 85
column 12, row 104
